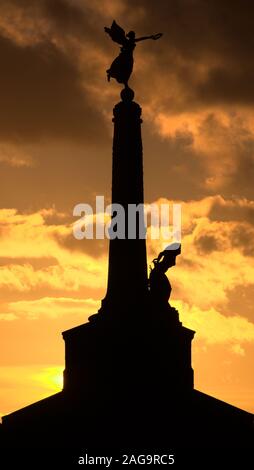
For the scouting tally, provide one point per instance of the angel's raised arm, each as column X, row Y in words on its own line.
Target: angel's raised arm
column 153, row 36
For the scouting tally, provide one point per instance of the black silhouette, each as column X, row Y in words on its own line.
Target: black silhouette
column 121, row 67
column 128, row 378
column 159, row 284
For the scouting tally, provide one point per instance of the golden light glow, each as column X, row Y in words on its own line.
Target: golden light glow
column 21, row 385
column 50, row 377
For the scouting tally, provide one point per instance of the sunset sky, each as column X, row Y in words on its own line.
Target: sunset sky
column 196, row 89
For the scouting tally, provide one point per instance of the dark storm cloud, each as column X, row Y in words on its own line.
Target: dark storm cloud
column 41, row 87
column 64, row 14
column 216, row 34
column 232, row 211
column 243, row 238
column 41, row 90
column 166, row 162
column 244, row 176
column 41, row 96
column 92, row 247
column 206, row 244
column 240, row 301
column 240, row 237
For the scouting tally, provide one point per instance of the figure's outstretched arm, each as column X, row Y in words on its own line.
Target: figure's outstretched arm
column 153, row 36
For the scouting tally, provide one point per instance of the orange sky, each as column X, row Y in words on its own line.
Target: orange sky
column 196, row 88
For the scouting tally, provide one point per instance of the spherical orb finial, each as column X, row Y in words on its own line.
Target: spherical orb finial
column 127, row 94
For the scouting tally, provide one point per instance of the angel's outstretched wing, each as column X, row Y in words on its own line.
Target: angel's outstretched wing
column 116, row 33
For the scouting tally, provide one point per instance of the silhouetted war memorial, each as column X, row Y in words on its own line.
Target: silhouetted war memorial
column 128, row 379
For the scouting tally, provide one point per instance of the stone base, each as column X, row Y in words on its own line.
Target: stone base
column 152, row 351
column 128, row 387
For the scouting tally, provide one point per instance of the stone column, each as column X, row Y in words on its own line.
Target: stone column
column 127, row 269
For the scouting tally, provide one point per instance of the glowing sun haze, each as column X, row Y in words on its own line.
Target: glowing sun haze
column 196, row 88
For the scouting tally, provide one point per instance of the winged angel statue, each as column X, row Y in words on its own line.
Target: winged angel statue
column 122, row 66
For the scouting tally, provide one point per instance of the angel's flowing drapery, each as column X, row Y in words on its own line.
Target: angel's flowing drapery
column 122, row 66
